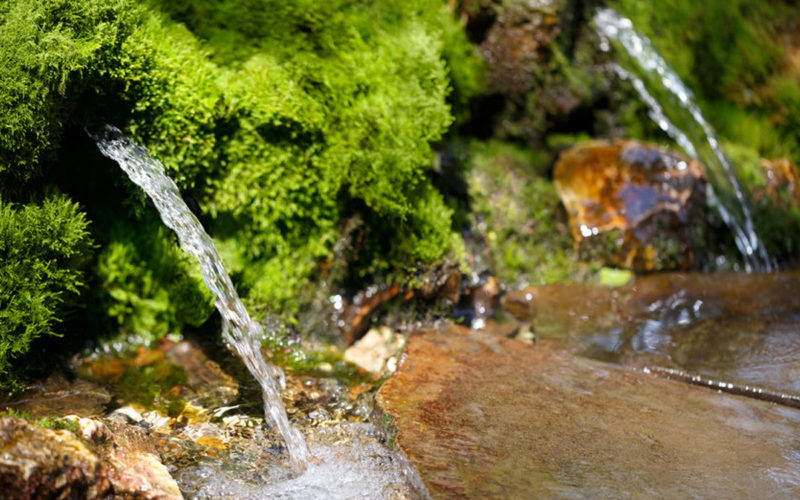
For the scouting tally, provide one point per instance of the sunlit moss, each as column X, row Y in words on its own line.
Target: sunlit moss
column 518, row 204
column 279, row 119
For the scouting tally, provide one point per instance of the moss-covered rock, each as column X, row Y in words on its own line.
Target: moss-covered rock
column 516, row 207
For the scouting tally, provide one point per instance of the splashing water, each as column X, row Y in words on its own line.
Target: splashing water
column 242, row 334
column 694, row 134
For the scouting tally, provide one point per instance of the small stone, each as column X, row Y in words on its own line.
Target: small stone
column 126, row 415
column 211, row 442
column 520, row 304
column 155, row 420
column 135, row 469
column 369, row 352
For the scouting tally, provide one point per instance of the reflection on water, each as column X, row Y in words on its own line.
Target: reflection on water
column 743, row 328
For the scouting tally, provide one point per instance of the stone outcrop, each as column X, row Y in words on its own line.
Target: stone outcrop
column 42, row 463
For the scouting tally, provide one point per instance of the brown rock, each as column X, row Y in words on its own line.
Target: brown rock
column 519, row 304
column 487, row 417
column 135, row 469
column 517, row 43
column 632, row 205
column 58, row 396
column 121, row 462
column 373, row 351
column 41, row 463
column 211, row 386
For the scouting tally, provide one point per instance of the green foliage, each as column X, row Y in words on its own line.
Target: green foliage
column 46, row 47
column 776, row 212
column 43, row 248
column 273, row 113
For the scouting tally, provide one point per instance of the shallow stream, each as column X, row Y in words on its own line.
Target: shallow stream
column 737, row 327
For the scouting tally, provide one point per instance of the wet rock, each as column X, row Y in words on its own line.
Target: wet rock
column 737, row 327
column 59, row 396
column 119, row 461
column 211, row 385
column 349, row 462
column 487, row 417
column 126, row 415
column 135, row 469
column 166, row 378
column 507, row 328
column 517, row 43
column 41, row 463
column 633, row 205
column 519, row 304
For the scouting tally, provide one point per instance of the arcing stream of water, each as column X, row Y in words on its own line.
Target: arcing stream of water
column 241, row 333
column 692, row 133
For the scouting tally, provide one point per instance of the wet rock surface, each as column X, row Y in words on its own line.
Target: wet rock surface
column 736, row 327
column 632, row 205
column 135, row 468
column 487, row 417
column 43, row 463
column 59, row 396
column 183, row 426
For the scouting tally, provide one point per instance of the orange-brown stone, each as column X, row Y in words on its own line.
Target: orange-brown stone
column 631, row 204
column 487, row 417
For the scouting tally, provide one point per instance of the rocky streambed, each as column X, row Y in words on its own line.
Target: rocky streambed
column 514, row 409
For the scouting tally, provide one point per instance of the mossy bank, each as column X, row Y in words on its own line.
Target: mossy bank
column 279, row 121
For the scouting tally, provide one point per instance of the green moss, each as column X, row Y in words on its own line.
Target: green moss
column 53, row 423
column 58, row 424
column 320, row 363
column 149, row 386
column 732, row 54
column 154, row 287
column 529, row 239
column 46, row 49
column 614, row 277
column 43, row 250
column 280, row 119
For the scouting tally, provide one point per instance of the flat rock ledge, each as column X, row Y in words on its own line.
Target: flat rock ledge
column 482, row 416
